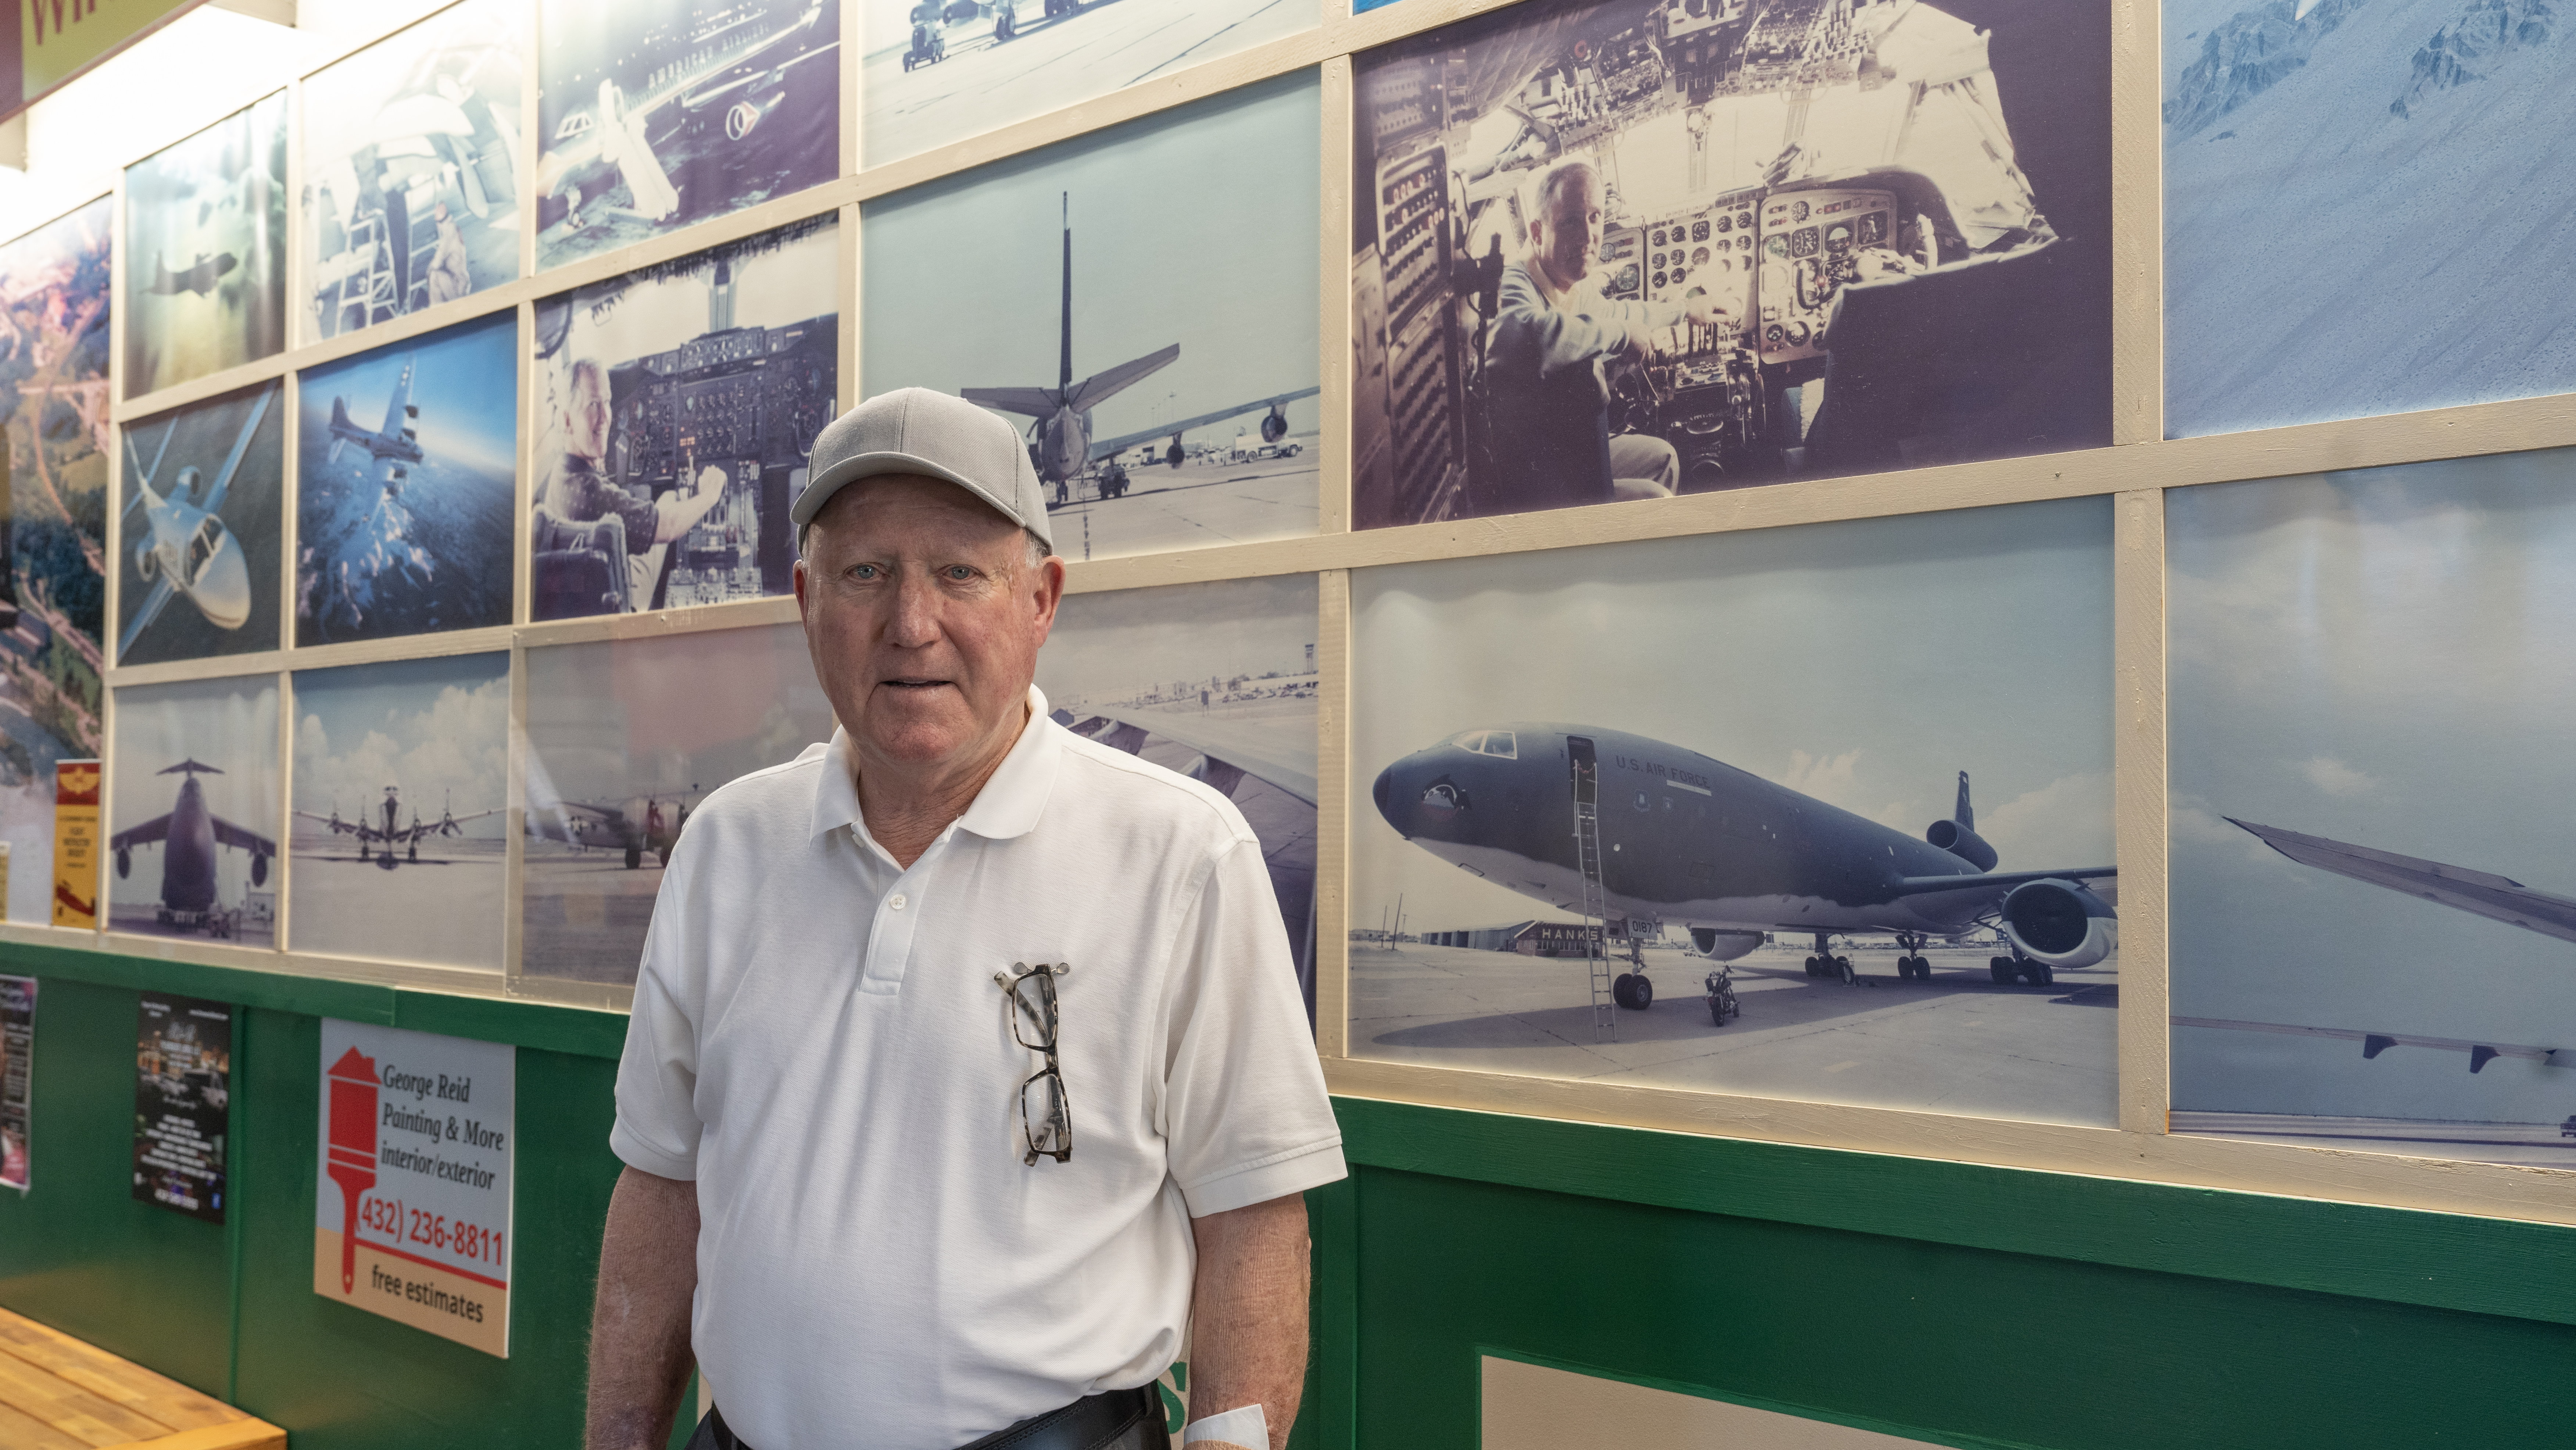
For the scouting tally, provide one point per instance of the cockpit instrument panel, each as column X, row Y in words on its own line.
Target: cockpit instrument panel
column 1810, row 248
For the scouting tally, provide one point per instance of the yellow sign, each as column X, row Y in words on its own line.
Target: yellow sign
column 58, row 39
column 75, row 843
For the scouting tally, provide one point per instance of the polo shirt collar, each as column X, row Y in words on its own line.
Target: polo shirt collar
column 1009, row 804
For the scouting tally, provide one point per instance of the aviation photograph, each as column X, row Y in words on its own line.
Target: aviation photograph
column 1631, row 248
column 399, row 833
column 936, row 71
column 624, row 739
column 1820, row 813
column 1216, row 681
column 202, row 529
column 406, row 476
column 2357, row 207
column 192, row 816
column 653, row 114
column 2373, row 904
column 53, row 517
column 675, row 408
column 1165, row 374
column 411, row 169
column 205, row 251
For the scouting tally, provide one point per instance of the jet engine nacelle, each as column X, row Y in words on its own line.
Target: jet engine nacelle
column 1274, row 426
column 259, row 870
column 2060, row 923
column 1722, row 946
column 1963, row 843
column 124, row 862
column 146, row 563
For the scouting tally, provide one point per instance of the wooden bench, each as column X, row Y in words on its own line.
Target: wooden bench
column 57, row 1393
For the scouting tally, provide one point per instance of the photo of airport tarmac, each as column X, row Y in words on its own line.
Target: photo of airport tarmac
column 204, row 522
column 653, row 114
column 192, row 816
column 54, row 398
column 624, row 739
column 411, row 169
column 405, row 481
column 936, row 71
column 1716, row 756
column 1165, row 374
column 675, row 408
column 1630, row 248
column 205, row 247
column 400, row 829
column 2373, row 917
column 1217, row 682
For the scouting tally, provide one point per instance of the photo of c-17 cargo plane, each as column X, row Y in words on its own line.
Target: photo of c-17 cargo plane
column 378, row 839
column 1624, row 829
column 199, row 277
column 1061, row 442
column 189, row 836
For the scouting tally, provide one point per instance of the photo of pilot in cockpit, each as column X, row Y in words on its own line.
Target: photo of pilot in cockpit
column 1623, row 250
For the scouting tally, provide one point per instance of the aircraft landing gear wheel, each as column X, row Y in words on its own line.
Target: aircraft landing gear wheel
column 2001, row 968
column 415, row 850
column 1843, row 966
column 1812, row 968
column 1632, row 991
column 2037, row 974
column 634, row 857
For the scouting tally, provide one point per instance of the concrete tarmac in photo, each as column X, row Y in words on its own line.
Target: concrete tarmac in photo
column 1194, row 506
column 448, row 914
column 1105, row 46
column 582, row 914
column 1960, row 1043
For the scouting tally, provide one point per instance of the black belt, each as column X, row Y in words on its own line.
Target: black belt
column 1094, row 1422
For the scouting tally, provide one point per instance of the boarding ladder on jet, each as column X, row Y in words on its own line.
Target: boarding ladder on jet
column 1594, row 904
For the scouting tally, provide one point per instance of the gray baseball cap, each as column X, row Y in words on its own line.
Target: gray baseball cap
column 916, row 430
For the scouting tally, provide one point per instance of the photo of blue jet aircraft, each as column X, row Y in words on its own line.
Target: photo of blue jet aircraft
column 184, row 547
column 1683, row 840
column 188, row 837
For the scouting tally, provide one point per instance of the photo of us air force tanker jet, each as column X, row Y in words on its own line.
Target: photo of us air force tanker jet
column 1681, row 840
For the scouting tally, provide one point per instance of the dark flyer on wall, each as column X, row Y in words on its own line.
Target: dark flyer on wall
column 17, row 1074
column 183, row 1060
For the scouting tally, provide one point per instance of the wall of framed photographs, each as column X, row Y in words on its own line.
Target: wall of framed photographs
column 1958, row 454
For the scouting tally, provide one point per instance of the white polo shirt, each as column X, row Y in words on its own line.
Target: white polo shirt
column 819, row 1043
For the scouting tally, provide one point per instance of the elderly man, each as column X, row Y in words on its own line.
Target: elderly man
column 968, row 1075
column 1549, row 414
column 577, row 489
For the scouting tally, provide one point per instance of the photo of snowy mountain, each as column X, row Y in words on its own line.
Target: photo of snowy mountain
column 2361, row 208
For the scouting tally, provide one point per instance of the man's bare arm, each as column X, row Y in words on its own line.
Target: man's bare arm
column 1248, row 1313
column 639, row 1322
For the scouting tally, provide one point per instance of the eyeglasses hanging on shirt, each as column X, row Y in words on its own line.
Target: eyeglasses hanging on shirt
column 1046, row 1117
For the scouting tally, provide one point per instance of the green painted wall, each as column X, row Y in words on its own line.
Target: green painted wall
column 1960, row 1304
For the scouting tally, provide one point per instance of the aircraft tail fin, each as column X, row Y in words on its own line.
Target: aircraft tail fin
column 1064, row 362
column 1966, row 814
column 339, row 412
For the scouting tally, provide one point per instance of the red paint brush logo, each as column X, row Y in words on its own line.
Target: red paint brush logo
column 353, row 1149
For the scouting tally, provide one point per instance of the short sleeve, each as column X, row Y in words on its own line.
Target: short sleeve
column 1245, row 1115
column 657, row 1077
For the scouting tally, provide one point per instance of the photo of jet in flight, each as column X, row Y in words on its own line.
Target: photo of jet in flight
column 2480, row 893
column 393, row 445
column 1622, row 827
column 188, row 837
column 675, row 134
column 184, row 547
column 636, row 827
column 199, row 278
column 379, row 839
column 1060, row 442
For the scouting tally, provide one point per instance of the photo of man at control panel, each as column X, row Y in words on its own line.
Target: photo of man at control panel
column 1630, row 249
